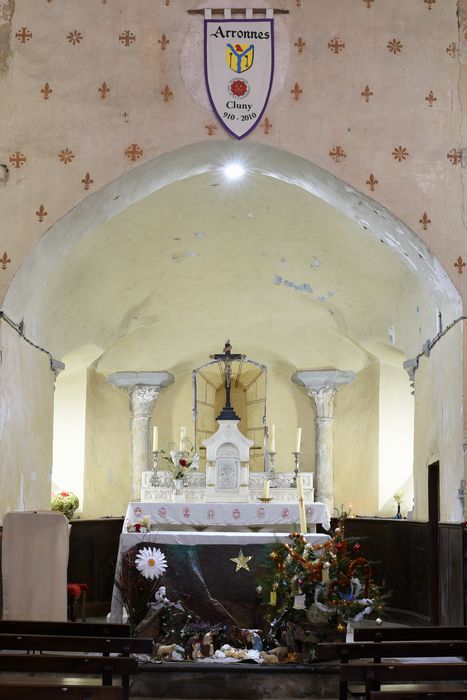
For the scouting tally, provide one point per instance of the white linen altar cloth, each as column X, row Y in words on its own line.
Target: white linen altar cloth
column 242, row 539
column 225, row 514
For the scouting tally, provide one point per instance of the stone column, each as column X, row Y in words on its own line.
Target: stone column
column 143, row 389
column 322, row 387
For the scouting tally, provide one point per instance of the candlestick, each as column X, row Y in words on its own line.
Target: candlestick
column 301, row 504
column 296, row 469
column 299, row 440
column 182, row 438
column 154, row 480
column 272, row 440
column 155, row 438
column 271, row 473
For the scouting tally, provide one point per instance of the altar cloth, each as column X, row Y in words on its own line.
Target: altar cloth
column 200, row 571
column 261, row 515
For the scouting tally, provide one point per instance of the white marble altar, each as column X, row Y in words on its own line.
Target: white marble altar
column 227, row 463
column 194, row 489
column 232, row 515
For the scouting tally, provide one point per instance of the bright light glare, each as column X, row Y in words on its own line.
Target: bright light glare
column 234, row 171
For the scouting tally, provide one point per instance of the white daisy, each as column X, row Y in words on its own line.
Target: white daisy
column 150, row 562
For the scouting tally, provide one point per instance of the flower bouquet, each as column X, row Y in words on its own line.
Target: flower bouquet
column 180, row 462
column 65, row 502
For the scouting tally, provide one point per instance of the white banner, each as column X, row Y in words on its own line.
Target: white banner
column 239, row 68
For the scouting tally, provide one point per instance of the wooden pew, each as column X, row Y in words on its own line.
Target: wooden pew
column 373, row 675
column 85, row 629
column 365, row 672
column 100, row 645
column 442, row 694
column 54, row 692
column 63, row 654
column 390, row 634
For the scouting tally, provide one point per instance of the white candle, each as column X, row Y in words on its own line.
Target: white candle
column 299, row 440
column 272, row 439
column 182, row 438
column 301, row 503
column 155, row 439
column 266, row 488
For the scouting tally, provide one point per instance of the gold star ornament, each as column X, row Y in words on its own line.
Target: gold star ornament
column 241, row 561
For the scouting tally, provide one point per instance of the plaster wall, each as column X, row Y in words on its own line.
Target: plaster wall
column 396, row 428
column 69, row 432
column 356, row 443
column 107, row 475
column 439, row 425
column 26, row 419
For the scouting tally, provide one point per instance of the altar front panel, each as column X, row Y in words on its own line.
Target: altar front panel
column 202, row 576
column 257, row 515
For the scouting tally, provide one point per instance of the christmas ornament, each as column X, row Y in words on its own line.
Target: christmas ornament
column 241, row 561
column 273, row 598
column 379, row 621
column 259, row 589
column 299, row 602
column 357, row 547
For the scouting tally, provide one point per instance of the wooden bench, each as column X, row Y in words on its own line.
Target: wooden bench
column 365, row 672
column 68, row 654
column 86, row 629
column 53, row 692
column 389, row 634
column 442, row 694
column 373, row 675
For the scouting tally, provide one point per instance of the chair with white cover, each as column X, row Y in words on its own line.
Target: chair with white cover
column 34, row 565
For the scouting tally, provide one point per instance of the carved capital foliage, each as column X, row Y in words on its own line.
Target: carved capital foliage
column 142, row 399
column 324, row 400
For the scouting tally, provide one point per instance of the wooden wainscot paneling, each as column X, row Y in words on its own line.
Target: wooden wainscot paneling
column 399, row 553
column 93, row 554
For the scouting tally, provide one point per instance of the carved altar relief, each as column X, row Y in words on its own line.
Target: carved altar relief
column 227, row 463
column 228, row 467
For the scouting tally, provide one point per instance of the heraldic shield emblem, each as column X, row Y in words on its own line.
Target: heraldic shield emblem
column 239, row 68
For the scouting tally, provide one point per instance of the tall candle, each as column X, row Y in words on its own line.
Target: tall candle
column 272, row 439
column 299, row 440
column 301, row 503
column 182, row 438
column 155, row 438
column 266, row 488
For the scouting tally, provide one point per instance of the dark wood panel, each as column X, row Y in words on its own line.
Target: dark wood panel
column 451, row 565
column 399, row 553
column 93, row 554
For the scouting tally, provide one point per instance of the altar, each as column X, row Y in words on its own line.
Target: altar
column 201, row 572
column 254, row 516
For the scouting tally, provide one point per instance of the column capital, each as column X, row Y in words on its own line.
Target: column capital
column 142, row 399
column 127, row 380
column 319, row 378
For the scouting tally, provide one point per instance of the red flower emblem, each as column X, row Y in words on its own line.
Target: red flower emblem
column 260, row 513
column 236, row 513
column 211, row 513
column 162, row 512
column 182, row 462
column 285, row 512
column 186, row 512
column 238, row 87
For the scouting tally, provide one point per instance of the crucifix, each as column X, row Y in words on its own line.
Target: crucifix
column 226, row 358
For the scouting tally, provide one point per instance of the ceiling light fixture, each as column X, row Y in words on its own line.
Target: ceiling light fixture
column 234, row 171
